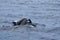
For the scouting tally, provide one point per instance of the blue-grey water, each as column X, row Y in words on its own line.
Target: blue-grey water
column 46, row 13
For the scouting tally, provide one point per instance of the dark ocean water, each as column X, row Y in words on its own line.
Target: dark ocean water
column 46, row 13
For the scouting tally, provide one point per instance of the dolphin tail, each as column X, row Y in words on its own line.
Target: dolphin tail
column 14, row 23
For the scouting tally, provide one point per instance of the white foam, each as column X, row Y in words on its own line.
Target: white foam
column 31, row 26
